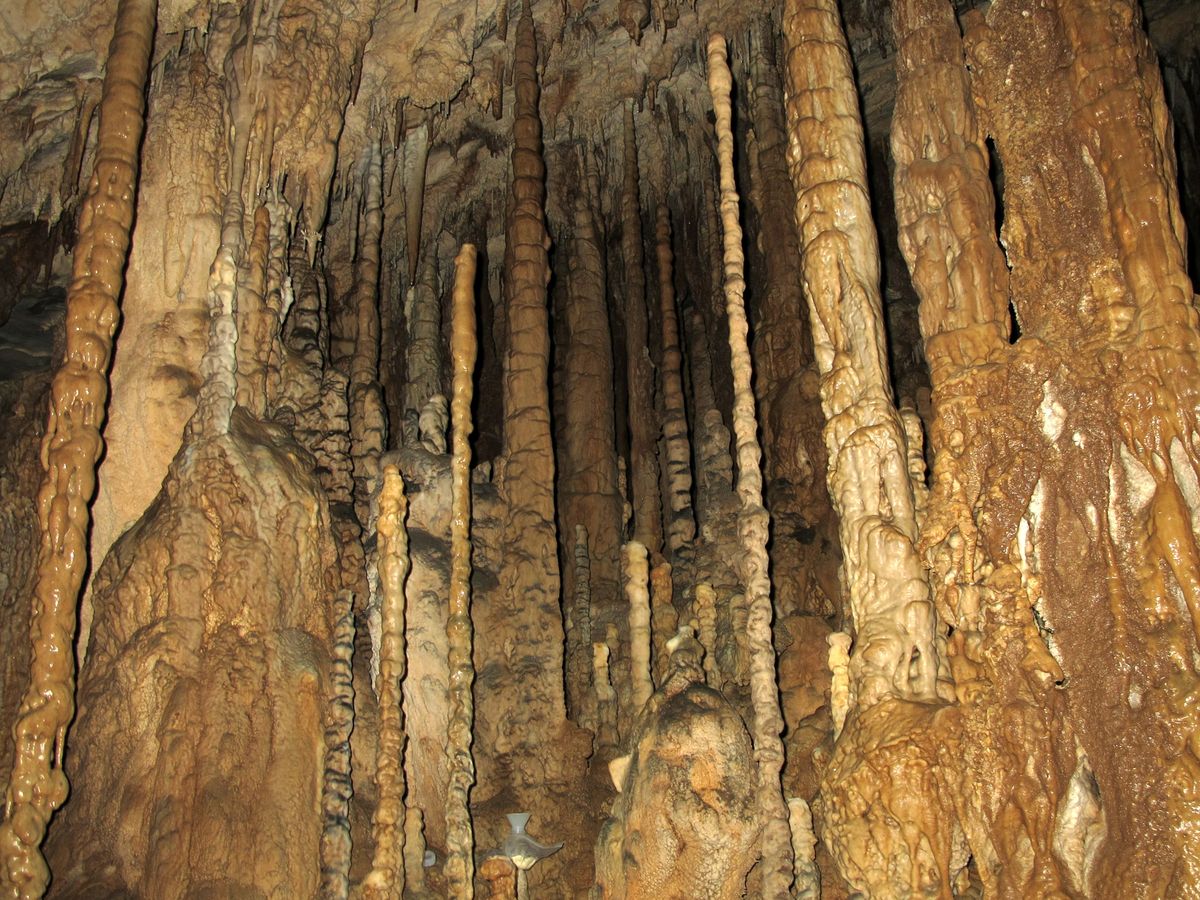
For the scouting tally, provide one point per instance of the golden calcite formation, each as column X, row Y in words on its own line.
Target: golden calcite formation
column 752, row 517
column 337, row 788
column 460, row 861
column 71, row 449
column 386, row 878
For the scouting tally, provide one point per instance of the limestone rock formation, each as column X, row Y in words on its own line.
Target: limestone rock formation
column 758, row 442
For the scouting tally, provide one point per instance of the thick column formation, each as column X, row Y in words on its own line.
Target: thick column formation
column 386, row 878
column 637, row 595
column 460, row 861
column 71, row 450
column 588, row 492
column 893, row 619
column 752, row 519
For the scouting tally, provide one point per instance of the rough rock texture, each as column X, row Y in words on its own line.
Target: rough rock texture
column 977, row 341
column 685, row 822
column 208, row 668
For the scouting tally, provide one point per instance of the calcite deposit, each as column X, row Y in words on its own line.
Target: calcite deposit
column 599, row 449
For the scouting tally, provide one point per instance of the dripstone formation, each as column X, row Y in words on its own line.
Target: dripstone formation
column 603, row 449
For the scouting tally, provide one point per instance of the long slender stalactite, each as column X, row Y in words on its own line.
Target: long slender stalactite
column 71, row 449
column 460, row 864
column 681, row 525
column 643, row 432
column 752, row 518
column 368, row 418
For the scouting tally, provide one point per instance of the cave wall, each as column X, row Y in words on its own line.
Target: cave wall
column 827, row 505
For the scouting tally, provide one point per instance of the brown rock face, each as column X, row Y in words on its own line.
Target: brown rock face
column 198, row 747
column 684, row 824
column 864, row 328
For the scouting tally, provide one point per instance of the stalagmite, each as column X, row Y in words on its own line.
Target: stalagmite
column 681, row 526
column 460, row 860
column 71, row 449
column 895, row 650
column 368, row 418
column 637, row 595
column 752, row 519
column 386, row 878
column 414, row 851
column 606, row 698
column 579, row 664
column 336, row 787
column 664, row 620
column 804, row 841
column 643, row 433
column 706, row 619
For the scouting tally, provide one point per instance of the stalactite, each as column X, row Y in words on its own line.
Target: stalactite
column 643, row 430
column 279, row 296
column 752, row 520
column 634, row 15
column 218, row 367
column 368, row 418
column 839, row 668
column 460, row 859
column 637, row 595
column 681, row 526
column 663, row 617
column 414, row 852
column 589, row 492
column 414, row 194
column 255, row 326
column 579, row 664
column 71, row 449
column 386, row 878
column 336, row 787
column 895, row 651
column 424, row 357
